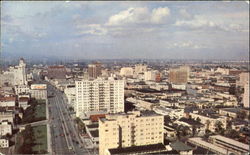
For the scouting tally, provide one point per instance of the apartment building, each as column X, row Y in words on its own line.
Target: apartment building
column 133, row 129
column 99, row 95
column 229, row 144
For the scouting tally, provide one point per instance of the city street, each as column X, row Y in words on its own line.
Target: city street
column 64, row 136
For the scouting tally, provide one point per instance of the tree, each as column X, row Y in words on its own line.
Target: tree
column 241, row 114
column 219, row 127
column 198, row 119
column 207, row 124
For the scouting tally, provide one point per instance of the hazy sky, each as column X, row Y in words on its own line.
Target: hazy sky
column 126, row 29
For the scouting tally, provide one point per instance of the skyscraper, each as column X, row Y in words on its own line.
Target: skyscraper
column 94, row 70
column 99, row 95
column 20, row 77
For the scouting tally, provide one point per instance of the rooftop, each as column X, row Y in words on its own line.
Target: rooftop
column 94, row 133
column 92, row 126
column 4, row 99
column 231, row 141
column 138, row 149
column 179, row 146
column 233, row 110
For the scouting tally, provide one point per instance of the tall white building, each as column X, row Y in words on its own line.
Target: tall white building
column 99, row 95
column 246, row 95
column 20, row 77
column 132, row 129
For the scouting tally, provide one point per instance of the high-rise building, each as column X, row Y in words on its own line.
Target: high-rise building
column 20, row 77
column 118, row 131
column 99, row 95
column 246, row 95
column 94, row 70
column 179, row 75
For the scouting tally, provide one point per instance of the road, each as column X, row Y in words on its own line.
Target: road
column 64, row 136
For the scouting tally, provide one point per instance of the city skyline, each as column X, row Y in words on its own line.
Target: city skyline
column 121, row 30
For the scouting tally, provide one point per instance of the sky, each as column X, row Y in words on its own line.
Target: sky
column 126, row 29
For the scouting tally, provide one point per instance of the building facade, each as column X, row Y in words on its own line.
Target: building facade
column 131, row 129
column 94, row 70
column 5, row 128
column 179, row 75
column 99, row 95
column 38, row 91
column 20, row 77
column 246, row 95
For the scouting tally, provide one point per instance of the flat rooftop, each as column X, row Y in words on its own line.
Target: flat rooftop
column 214, row 148
column 138, row 149
column 231, row 141
column 94, row 133
column 92, row 126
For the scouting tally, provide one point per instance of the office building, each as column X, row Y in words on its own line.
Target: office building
column 99, row 95
column 95, row 70
column 179, row 75
column 20, row 77
column 122, row 132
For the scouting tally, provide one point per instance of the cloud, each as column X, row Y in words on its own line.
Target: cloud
column 94, row 29
column 186, row 45
column 203, row 22
column 159, row 14
column 183, row 13
column 139, row 16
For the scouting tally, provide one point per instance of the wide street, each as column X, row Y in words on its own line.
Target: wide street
column 64, row 136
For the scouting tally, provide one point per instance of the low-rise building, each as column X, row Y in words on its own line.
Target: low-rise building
column 7, row 101
column 5, row 128
column 4, row 143
column 229, row 144
column 38, row 91
column 23, row 102
column 6, row 116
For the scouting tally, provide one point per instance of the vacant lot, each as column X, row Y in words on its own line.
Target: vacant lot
column 40, row 136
